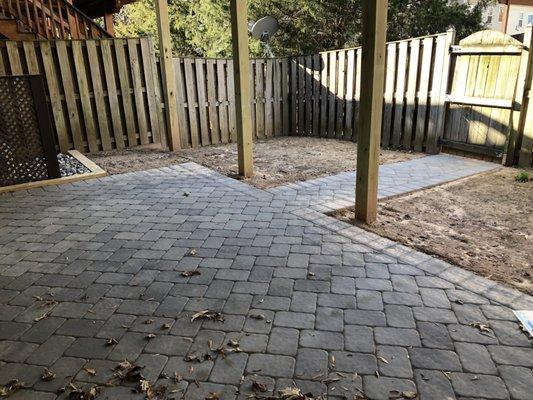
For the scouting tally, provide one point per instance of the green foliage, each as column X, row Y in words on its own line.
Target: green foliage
column 202, row 27
column 522, row 177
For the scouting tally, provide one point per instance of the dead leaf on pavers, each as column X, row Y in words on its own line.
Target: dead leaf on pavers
column 198, row 357
column 192, row 272
column 47, row 375
column 11, row 387
column 149, row 321
column 45, row 315
column 177, row 377
column 208, row 314
column 294, row 393
column 84, row 394
column 150, row 392
column 396, row 394
column 327, row 381
column 150, row 336
column 257, row 316
column 186, row 194
column 480, row 326
column 258, row 386
column 234, row 343
column 332, row 362
column 111, row 342
column 166, row 326
column 193, row 252
column 213, row 396
column 447, row 375
column 89, row 370
column 383, row 359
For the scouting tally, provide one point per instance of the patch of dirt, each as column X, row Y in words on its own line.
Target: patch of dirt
column 483, row 224
column 276, row 161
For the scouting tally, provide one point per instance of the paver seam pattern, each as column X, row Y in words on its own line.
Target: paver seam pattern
column 99, row 259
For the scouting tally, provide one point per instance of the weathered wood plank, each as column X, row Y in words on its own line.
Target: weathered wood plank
column 125, row 93
column 357, row 95
column 399, row 94
column 13, row 57
column 213, row 100
column 202, row 101
column 70, row 98
column 192, row 101
column 181, row 103
column 52, row 79
column 350, row 87
column 301, row 96
column 324, row 96
column 150, row 83
column 222, row 98
column 111, row 85
column 269, row 101
column 423, row 93
column 138, row 95
column 410, row 98
column 316, row 95
column 308, row 95
column 83, row 89
column 98, row 93
column 285, row 89
column 390, row 77
column 231, row 100
column 341, row 102
column 332, row 94
column 278, row 97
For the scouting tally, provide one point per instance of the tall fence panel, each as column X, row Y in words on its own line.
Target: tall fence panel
column 206, row 103
column 325, row 91
column 103, row 94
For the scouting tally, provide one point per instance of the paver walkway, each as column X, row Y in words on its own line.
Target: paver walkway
column 305, row 297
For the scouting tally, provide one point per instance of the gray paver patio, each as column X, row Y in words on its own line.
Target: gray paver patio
column 304, row 295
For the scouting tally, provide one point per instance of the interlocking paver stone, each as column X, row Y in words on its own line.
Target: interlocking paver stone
column 334, row 297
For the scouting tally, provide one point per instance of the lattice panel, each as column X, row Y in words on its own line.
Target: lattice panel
column 22, row 157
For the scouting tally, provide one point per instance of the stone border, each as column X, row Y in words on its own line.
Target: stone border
column 96, row 172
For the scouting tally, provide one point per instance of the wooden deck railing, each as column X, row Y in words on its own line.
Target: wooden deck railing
column 52, row 19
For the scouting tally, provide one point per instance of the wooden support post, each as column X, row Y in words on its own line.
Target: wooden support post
column 371, row 108
column 108, row 23
column 519, row 110
column 241, row 73
column 167, row 74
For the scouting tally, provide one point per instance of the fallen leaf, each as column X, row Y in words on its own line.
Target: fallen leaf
column 383, row 359
column 45, row 315
column 186, row 194
column 47, row 375
column 81, row 394
column 150, row 336
column 166, row 326
column 149, row 321
column 191, row 272
column 409, row 395
column 11, row 387
column 89, row 370
column 258, row 386
column 111, row 342
column 213, row 396
column 257, row 316
column 208, row 314
column 482, row 327
column 234, row 343
column 192, row 252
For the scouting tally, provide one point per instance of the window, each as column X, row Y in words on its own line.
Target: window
column 500, row 14
column 490, row 15
column 521, row 20
column 530, row 19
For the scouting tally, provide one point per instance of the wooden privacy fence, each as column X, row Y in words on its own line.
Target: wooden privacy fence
column 474, row 97
column 103, row 93
column 206, row 105
column 325, row 93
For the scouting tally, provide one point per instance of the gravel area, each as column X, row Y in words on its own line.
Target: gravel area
column 69, row 165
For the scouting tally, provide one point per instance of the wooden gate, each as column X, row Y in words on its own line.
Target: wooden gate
column 481, row 100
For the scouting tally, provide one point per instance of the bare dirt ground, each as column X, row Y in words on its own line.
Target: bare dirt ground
column 276, row 161
column 483, row 224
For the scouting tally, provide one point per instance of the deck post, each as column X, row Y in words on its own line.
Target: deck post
column 371, row 104
column 241, row 72
column 167, row 74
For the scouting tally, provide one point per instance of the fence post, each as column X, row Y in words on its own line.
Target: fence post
column 445, row 86
column 519, row 107
column 167, row 74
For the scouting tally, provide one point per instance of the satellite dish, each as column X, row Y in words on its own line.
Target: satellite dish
column 264, row 28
